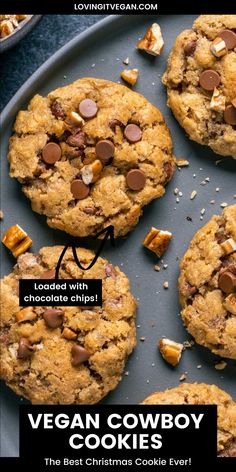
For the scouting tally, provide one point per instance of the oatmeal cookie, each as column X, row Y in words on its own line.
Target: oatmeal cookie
column 66, row 355
column 201, row 82
column 195, row 394
column 207, row 285
column 91, row 154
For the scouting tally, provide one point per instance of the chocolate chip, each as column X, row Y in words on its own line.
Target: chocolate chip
column 220, row 235
column 113, row 123
column 105, row 150
column 228, row 265
column 79, row 355
column 74, row 153
column 110, row 271
column 48, row 274
column 90, row 210
column 88, row 108
column 25, row 349
column 190, row 47
column 230, row 115
column 189, row 290
column 229, row 38
column 136, row 179
column 51, row 153
column 169, row 170
column 77, row 140
column 229, row 450
column 133, row 133
column 57, row 110
column 53, row 317
column 79, row 190
column 209, row 79
column 227, row 282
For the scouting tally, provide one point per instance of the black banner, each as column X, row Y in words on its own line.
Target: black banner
column 65, row 437
column 55, row 292
column 115, row 7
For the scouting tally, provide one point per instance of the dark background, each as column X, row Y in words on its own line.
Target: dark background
column 52, row 32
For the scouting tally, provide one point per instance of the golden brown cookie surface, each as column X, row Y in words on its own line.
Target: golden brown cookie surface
column 207, row 285
column 201, row 82
column 195, row 394
column 66, row 354
column 91, row 154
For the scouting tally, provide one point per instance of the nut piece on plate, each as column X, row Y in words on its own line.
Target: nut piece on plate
column 157, row 241
column 152, row 42
column 130, row 76
column 170, row 351
column 91, row 172
column 229, row 246
column 230, row 304
column 217, row 101
column 182, row 162
column 17, row 240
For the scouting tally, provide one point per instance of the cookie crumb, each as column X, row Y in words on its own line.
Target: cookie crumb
column 126, row 61
column 182, row 377
column 220, row 365
column 166, row 285
column 182, row 162
column 188, row 344
column 199, row 366
column 193, row 195
column 224, row 205
column 130, row 76
column 142, row 338
column 1, row 215
column 157, row 268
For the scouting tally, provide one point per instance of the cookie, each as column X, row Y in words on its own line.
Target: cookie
column 195, row 394
column 201, row 82
column 66, row 355
column 91, row 154
column 207, row 285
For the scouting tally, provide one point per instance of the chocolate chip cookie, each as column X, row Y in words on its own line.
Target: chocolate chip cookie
column 195, row 394
column 91, row 154
column 201, row 82
column 207, row 285
column 66, row 354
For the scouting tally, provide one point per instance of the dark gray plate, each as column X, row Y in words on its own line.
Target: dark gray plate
column 24, row 27
column 99, row 52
